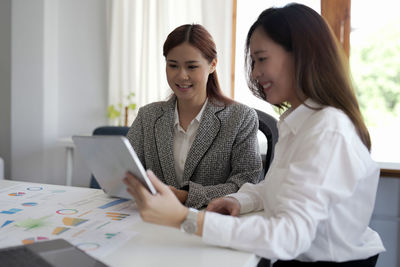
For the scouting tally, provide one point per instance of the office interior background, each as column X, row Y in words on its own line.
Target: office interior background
column 59, row 73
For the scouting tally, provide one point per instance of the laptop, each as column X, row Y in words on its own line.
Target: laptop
column 109, row 157
column 55, row 253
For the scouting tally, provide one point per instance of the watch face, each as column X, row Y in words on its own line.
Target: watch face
column 189, row 227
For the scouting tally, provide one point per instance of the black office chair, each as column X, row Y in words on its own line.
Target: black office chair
column 107, row 130
column 268, row 126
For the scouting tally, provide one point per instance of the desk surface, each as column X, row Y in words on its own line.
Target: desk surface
column 140, row 244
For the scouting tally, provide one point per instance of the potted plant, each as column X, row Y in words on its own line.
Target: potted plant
column 120, row 112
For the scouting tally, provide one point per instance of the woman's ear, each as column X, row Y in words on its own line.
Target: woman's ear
column 213, row 65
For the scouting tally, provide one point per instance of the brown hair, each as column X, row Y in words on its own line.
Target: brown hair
column 197, row 36
column 321, row 68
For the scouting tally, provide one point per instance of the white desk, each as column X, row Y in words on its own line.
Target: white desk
column 152, row 245
column 163, row 246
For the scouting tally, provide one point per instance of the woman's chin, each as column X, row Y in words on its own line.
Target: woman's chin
column 269, row 100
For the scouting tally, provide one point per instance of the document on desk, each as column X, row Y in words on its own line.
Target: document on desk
column 87, row 218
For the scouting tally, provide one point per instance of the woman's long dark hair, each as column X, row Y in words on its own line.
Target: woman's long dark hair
column 197, row 36
column 321, row 68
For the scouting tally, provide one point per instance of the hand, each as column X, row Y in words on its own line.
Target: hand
column 163, row 208
column 182, row 195
column 225, row 205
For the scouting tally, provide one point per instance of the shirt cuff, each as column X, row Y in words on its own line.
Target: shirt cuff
column 217, row 229
column 245, row 201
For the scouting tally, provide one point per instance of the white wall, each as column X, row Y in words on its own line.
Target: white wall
column 59, row 79
column 5, row 84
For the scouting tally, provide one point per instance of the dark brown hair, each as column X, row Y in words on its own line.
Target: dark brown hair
column 197, row 36
column 321, row 68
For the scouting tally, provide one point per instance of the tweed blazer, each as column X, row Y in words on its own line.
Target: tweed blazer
column 224, row 154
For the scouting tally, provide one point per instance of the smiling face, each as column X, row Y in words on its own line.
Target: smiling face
column 187, row 73
column 273, row 68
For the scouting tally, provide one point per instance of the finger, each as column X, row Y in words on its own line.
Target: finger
column 158, row 185
column 136, row 197
column 173, row 189
column 235, row 212
column 132, row 180
column 135, row 188
column 130, row 186
column 140, row 189
column 129, row 178
column 214, row 205
column 211, row 206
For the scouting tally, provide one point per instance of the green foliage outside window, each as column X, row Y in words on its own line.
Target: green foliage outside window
column 375, row 65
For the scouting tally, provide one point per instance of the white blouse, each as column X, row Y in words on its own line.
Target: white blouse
column 183, row 140
column 318, row 195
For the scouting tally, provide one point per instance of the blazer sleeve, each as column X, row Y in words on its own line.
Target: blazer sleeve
column 136, row 137
column 246, row 165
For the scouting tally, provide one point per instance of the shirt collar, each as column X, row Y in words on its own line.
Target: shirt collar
column 295, row 118
column 197, row 118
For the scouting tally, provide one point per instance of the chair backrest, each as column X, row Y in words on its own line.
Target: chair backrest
column 107, row 130
column 111, row 130
column 268, row 126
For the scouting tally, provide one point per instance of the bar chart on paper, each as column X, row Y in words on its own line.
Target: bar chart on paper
column 73, row 221
column 116, row 216
column 59, row 230
column 32, row 240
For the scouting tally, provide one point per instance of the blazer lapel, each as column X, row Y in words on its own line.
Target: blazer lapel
column 206, row 133
column 164, row 136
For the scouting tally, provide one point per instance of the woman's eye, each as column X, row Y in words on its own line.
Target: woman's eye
column 172, row 65
column 193, row 67
column 261, row 59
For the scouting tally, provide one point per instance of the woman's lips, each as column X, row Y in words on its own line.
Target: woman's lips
column 184, row 87
column 266, row 86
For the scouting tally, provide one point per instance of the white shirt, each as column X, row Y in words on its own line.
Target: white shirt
column 318, row 195
column 183, row 140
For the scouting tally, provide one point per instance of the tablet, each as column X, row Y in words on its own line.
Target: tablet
column 56, row 252
column 109, row 158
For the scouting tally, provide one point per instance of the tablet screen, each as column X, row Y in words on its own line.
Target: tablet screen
column 109, row 158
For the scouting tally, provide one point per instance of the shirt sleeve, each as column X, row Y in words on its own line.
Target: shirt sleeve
column 250, row 197
column 323, row 170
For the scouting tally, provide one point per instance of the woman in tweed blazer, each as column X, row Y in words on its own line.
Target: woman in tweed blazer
column 224, row 153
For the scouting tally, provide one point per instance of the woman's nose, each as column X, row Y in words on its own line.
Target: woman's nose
column 183, row 74
column 255, row 73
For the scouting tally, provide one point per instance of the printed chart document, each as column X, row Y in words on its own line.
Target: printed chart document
column 87, row 218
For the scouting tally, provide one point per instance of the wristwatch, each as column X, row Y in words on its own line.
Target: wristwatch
column 189, row 225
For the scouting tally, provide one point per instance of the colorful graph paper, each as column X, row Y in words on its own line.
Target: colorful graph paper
column 73, row 221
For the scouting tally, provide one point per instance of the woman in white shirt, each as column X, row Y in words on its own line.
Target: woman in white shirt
column 318, row 195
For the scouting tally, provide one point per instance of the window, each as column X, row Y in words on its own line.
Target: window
column 374, row 52
column 374, row 60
